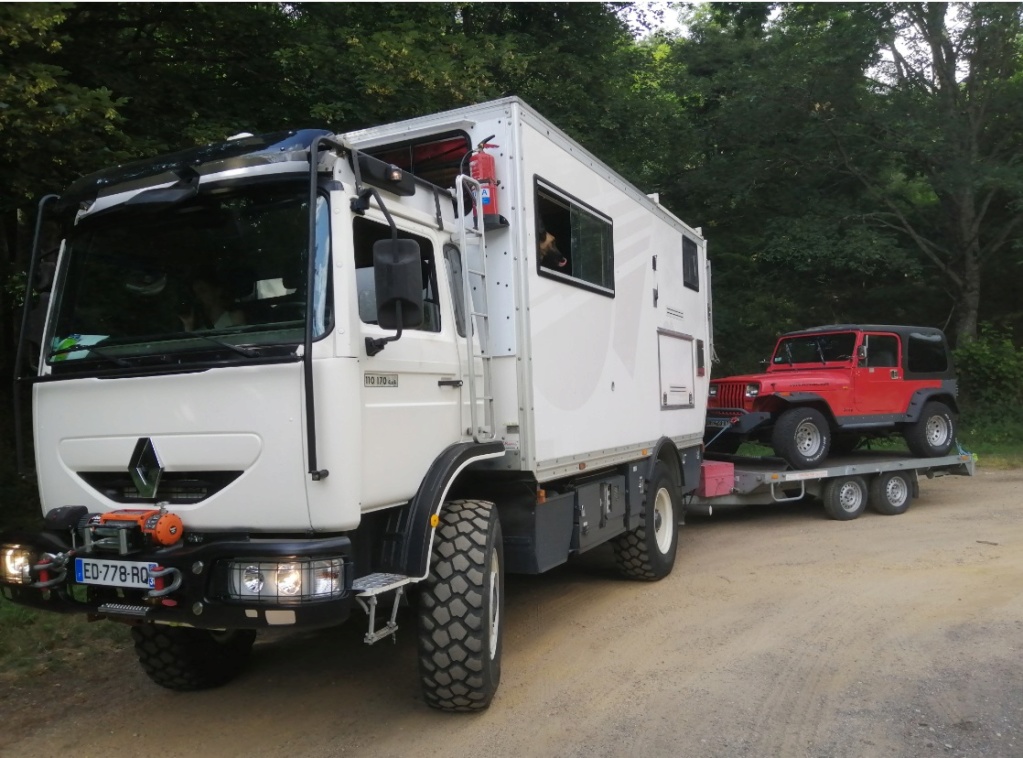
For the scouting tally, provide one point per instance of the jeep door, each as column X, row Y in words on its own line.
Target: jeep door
column 877, row 378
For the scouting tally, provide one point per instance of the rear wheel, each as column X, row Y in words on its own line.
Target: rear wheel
column 184, row 659
column 460, row 609
column 933, row 433
column 845, row 497
column 890, row 493
column 648, row 551
column 802, row 437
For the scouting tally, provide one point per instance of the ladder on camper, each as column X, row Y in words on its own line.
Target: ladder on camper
column 473, row 249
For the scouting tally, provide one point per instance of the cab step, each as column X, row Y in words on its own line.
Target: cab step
column 122, row 609
column 367, row 591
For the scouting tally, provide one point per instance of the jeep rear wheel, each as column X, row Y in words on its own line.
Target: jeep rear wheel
column 933, row 433
column 802, row 437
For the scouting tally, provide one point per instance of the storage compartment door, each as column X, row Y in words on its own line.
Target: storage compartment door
column 678, row 377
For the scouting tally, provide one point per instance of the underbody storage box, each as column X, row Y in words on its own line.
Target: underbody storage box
column 716, row 478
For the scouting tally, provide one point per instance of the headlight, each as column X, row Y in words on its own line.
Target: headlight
column 713, row 391
column 286, row 582
column 16, row 564
column 752, row 390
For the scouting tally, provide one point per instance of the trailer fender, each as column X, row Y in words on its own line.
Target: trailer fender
column 409, row 538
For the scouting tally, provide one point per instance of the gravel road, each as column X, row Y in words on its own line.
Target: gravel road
column 779, row 633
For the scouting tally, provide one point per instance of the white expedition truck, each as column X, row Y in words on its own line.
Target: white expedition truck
column 290, row 375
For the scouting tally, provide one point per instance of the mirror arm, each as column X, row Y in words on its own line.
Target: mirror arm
column 375, row 345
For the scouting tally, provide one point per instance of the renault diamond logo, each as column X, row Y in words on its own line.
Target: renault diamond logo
column 145, row 468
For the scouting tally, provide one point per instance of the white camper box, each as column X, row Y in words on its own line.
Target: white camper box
column 586, row 372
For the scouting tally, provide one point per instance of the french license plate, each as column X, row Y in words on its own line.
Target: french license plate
column 114, row 573
column 719, row 423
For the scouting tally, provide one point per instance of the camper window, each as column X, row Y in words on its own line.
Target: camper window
column 574, row 241
column 367, row 232
column 690, row 264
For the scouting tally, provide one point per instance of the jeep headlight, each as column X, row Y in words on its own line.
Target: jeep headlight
column 752, row 390
column 16, row 564
column 288, row 581
column 713, row 391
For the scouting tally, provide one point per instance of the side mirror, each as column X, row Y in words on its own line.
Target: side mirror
column 398, row 273
column 861, row 353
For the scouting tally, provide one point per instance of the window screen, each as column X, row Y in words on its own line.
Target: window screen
column 690, row 264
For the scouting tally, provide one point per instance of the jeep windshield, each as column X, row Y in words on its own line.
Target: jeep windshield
column 812, row 349
column 220, row 275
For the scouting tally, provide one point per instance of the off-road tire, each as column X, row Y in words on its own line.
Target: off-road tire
column 845, row 497
column 185, row 659
column 802, row 437
column 891, row 493
column 934, row 433
column 461, row 609
column 648, row 551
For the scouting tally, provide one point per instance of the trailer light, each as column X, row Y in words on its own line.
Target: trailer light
column 286, row 582
column 752, row 390
column 16, row 564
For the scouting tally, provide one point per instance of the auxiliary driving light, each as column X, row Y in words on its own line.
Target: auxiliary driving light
column 286, row 582
column 16, row 564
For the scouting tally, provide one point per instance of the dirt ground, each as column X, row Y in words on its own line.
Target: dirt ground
column 779, row 633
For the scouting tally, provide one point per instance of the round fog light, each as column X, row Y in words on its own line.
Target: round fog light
column 252, row 578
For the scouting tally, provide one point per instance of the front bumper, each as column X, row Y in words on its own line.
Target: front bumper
column 195, row 578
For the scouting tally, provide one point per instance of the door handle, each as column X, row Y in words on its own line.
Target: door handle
column 449, row 383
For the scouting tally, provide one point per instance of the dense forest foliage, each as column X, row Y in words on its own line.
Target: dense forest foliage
column 847, row 162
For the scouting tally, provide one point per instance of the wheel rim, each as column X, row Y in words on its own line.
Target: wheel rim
column 495, row 602
column 896, row 490
column 850, row 497
column 808, row 439
column 936, row 431
column 663, row 520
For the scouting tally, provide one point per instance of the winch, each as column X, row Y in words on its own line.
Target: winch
column 130, row 530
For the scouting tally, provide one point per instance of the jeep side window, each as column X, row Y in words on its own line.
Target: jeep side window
column 926, row 354
column 882, row 351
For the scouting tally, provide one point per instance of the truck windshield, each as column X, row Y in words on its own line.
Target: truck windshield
column 815, row 348
column 224, row 272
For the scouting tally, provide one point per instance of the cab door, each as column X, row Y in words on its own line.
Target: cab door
column 878, row 385
column 412, row 388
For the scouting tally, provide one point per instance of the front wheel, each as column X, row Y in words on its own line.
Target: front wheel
column 648, row 551
column 933, row 433
column 802, row 437
column 460, row 608
column 845, row 498
column 184, row 659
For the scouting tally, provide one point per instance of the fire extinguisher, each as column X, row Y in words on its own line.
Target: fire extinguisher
column 482, row 169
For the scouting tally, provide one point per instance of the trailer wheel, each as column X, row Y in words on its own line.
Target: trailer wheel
column 845, row 498
column 184, row 659
column 648, row 551
column 933, row 433
column 802, row 437
column 461, row 605
column 891, row 493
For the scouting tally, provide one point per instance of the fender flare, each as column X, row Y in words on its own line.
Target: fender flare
column 922, row 396
column 409, row 538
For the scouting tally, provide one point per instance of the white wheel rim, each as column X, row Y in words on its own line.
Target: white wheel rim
column 936, row 431
column 850, row 496
column 495, row 602
column 664, row 520
column 896, row 491
column 808, row 439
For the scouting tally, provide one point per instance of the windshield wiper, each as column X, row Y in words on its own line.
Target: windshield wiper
column 88, row 349
column 248, row 352
column 820, row 351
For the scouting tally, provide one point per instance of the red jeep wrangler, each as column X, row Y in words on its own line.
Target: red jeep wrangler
column 827, row 388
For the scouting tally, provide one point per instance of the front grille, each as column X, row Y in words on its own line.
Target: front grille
column 730, row 395
column 176, row 487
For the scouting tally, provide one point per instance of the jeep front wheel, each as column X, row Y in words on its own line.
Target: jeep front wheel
column 933, row 433
column 802, row 437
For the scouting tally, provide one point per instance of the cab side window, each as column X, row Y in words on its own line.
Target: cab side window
column 367, row 232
